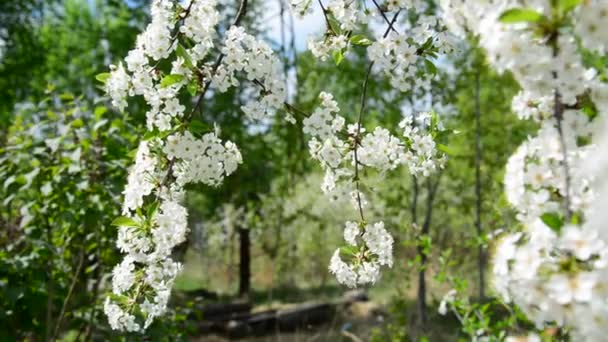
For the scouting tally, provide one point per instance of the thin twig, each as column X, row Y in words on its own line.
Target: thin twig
column 327, row 23
column 390, row 23
column 350, row 335
column 358, row 135
column 70, row 292
column 558, row 113
column 239, row 17
column 559, row 117
column 49, row 285
column 174, row 38
column 237, row 20
column 359, row 123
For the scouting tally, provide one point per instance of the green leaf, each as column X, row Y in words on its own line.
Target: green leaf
column 553, row 221
column 51, row 115
column 567, row 5
column 170, row 80
column 338, row 57
column 426, row 242
column 197, row 127
column 576, row 219
column 192, row 88
column 360, row 40
column 103, row 77
column 180, row 51
column 430, row 66
column 445, row 149
column 349, row 250
column 520, row 15
column 78, row 123
column 166, row 133
column 99, row 124
column 124, row 221
column 427, row 44
column 49, row 88
column 100, row 111
column 10, row 180
column 66, row 97
column 131, row 154
column 150, row 135
column 153, row 208
column 334, row 23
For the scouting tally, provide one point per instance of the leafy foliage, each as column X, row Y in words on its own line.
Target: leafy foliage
column 63, row 168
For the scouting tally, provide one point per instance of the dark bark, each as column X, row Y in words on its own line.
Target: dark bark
column 426, row 228
column 49, row 287
column 414, row 208
column 245, row 262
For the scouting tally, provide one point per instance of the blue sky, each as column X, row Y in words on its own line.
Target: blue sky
column 312, row 24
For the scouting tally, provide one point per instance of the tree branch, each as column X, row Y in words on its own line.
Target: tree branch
column 357, row 135
column 237, row 20
column 70, row 292
column 389, row 22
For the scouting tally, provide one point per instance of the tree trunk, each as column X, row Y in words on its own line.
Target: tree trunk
column 49, row 287
column 245, row 263
column 426, row 228
column 421, row 304
column 480, row 250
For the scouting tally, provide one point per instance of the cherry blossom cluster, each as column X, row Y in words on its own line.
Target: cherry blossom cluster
column 347, row 14
column 535, row 181
column 422, row 156
column 403, row 53
column 204, row 160
column 255, row 58
column 342, row 152
column 155, row 221
column 556, row 268
column 171, row 60
column 378, row 245
column 403, row 57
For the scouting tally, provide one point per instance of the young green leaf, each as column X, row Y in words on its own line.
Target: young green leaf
column 103, row 77
column 338, row 57
column 334, row 23
column 181, row 52
column 132, row 153
column 567, row 5
column 197, row 127
column 153, row 208
column 360, row 40
column 192, row 88
column 66, row 97
column 430, row 66
column 78, row 123
column 445, row 149
column 150, row 135
column 171, row 80
column 349, row 250
column 553, row 221
column 520, row 15
column 576, row 219
column 124, row 221
column 100, row 111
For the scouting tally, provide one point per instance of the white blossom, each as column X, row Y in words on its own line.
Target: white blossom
column 351, row 231
column 344, row 273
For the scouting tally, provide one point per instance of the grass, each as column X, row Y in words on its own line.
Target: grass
column 391, row 309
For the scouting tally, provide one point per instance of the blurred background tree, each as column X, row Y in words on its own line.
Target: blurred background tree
column 267, row 234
